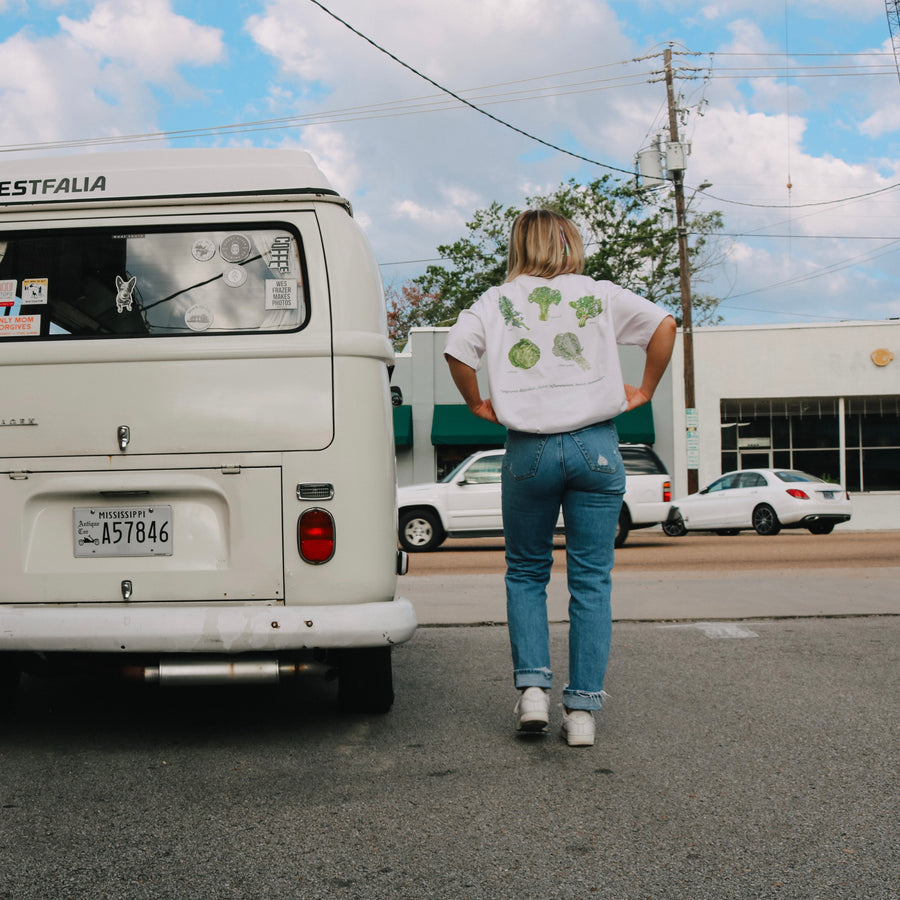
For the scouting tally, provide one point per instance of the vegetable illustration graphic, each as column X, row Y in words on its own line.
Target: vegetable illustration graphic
column 544, row 297
column 567, row 346
column 586, row 308
column 511, row 315
column 525, row 353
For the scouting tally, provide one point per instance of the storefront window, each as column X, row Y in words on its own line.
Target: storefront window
column 804, row 433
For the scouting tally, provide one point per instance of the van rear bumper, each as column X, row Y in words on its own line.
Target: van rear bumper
column 203, row 629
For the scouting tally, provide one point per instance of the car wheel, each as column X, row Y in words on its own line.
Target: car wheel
column 765, row 521
column 365, row 679
column 821, row 527
column 420, row 531
column 623, row 526
column 674, row 526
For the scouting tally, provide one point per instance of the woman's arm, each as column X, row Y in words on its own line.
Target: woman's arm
column 466, row 381
column 659, row 352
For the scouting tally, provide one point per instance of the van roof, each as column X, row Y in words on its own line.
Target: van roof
column 152, row 175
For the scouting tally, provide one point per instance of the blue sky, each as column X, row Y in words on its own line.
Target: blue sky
column 804, row 92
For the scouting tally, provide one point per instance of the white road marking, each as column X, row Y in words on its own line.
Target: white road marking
column 718, row 629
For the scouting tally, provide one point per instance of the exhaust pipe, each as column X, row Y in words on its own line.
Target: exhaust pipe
column 174, row 673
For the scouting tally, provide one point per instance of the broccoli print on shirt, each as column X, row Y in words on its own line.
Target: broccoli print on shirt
column 545, row 297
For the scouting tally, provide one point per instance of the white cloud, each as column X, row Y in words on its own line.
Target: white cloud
column 331, row 151
column 415, row 176
column 94, row 77
column 146, row 35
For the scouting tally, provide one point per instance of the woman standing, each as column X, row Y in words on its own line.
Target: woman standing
column 548, row 337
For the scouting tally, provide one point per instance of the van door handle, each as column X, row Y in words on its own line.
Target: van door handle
column 124, row 435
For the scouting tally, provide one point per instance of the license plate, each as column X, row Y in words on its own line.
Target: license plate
column 123, row 530
column 829, row 495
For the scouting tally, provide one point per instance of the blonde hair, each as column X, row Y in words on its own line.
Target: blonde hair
column 544, row 244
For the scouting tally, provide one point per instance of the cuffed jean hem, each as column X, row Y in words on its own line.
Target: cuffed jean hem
column 583, row 699
column 524, row 678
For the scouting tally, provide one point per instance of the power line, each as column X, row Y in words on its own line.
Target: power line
column 473, row 106
column 429, row 103
column 552, row 146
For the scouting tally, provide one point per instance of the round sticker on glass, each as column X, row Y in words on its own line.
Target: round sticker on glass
column 203, row 249
column 235, row 276
column 198, row 318
column 235, row 248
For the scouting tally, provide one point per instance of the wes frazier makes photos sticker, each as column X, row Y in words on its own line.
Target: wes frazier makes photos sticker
column 281, row 293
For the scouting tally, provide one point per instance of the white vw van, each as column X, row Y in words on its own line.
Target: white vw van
column 196, row 450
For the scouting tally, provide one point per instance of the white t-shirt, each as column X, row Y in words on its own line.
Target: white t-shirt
column 550, row 348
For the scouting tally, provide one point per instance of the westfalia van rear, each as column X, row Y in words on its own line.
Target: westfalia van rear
column 196, row 448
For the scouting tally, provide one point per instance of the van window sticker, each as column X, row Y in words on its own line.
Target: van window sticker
column 34, row 290
column 235, row 276
column 281, row 254
column 124, row 293
column 8, row 296
column 198, row 318
column 281, row 293
column 235, row 248
column 11, row 326
column 204, row 249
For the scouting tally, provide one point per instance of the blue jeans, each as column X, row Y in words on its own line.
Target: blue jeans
column 582, row 473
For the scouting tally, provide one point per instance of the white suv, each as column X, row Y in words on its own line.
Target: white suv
column 466, row 503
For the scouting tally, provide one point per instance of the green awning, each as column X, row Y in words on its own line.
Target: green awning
column 636, row 425
column 403, row 431
column 454, row 424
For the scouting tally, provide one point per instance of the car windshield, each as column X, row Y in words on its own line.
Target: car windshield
column 792, row 476
column 454, row 472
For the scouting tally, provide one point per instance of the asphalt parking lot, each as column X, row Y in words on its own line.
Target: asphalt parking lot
column 757, row 761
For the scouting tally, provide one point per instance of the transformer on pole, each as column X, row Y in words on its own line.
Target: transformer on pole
column 892, row 7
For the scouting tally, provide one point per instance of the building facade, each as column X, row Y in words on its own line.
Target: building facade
column 821, row 398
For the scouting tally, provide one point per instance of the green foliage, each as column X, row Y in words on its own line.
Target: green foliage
column 630, row 238
column 410, row 307
column 524, row 354
column 545, row 297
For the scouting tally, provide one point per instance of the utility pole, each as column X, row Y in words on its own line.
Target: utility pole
column 684, row 268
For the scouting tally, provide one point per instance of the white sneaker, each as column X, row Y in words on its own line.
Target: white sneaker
column 533, row 710
column 578, row 728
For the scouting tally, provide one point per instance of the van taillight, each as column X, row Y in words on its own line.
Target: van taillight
column 667, row 492
column 315, row 536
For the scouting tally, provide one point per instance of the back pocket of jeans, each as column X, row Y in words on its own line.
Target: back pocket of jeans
column 599, row 445
column 523, row 454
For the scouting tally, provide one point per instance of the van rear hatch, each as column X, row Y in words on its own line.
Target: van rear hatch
column 153, row 374
column 170, row 339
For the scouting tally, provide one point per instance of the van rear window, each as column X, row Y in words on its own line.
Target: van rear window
column 128, row 283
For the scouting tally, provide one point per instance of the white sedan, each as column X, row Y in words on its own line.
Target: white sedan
column 764, row 499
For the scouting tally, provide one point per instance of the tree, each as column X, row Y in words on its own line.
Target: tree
column 629, row 235
column 407, row 308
